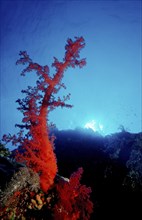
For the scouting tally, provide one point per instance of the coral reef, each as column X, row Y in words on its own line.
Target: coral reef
column 33, row 191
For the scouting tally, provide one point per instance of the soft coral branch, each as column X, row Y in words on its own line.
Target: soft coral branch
column 73, row 199
column 37, row 147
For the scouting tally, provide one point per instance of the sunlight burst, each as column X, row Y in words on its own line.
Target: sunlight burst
column 94, row 126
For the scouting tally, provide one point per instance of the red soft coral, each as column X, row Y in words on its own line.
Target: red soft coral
column 36, row 146
column 73, row 199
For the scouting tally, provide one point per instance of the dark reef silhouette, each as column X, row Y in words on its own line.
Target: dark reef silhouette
column 112, row 168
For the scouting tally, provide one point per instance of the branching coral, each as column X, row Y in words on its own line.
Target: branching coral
column 36, row 147
column 73, row 199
